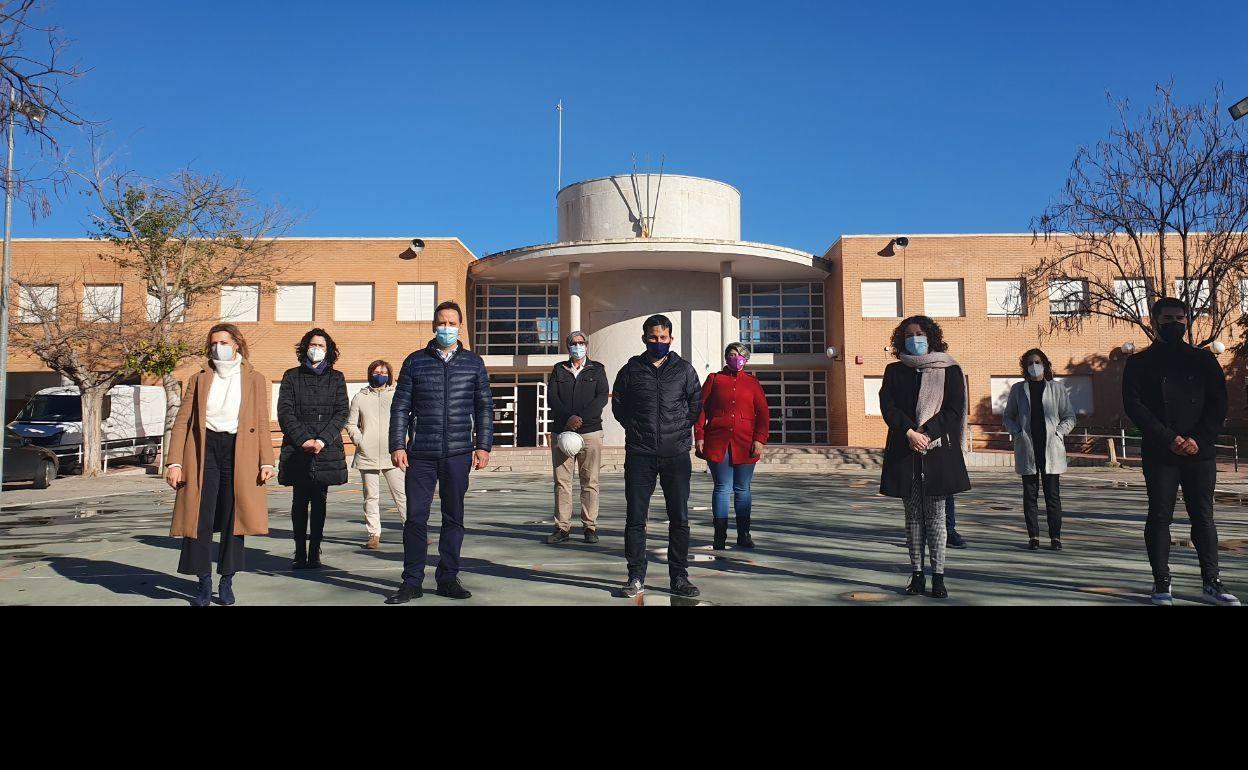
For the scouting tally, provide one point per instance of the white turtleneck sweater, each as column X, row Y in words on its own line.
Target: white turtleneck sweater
column 225, row 395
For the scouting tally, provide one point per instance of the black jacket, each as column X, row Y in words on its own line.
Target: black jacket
column 1175, row 390
column 657, row 405
column 312, row 406
column 582, row 396
column 440, row 403
column 943, row 468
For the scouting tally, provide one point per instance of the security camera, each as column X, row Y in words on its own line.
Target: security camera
column 902, row 241
column 414, row 248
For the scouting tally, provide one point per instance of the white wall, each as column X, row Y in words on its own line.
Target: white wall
column 687, row 207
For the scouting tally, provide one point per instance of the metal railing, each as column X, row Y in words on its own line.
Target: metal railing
column 1115, row 443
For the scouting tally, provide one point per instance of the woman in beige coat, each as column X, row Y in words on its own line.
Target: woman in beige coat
column 220, row 456
column 368, row 425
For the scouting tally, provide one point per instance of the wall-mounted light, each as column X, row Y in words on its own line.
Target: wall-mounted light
column 1128, row 347
column 414, row 248
column 831, row 352
column 1217, row 347
column 1239, row 109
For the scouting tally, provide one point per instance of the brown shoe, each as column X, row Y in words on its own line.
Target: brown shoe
column 374, row 543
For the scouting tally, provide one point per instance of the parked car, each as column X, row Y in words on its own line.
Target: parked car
column 23, row 461
column 132, row 422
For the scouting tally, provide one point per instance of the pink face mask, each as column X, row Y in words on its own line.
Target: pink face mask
column 736, row 363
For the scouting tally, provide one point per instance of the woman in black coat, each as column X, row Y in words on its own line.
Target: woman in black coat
column 923, row 400
column 312, row 409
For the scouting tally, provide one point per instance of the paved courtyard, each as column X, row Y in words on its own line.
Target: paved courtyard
column 825, row 539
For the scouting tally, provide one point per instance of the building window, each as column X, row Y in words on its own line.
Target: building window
column 295, row 302
column 1078, row 387
column 1131, row 293
column 871, row 395
column 798, row 402
column 416, row 301
column 353, row 302
column 781, row 317
column 521, row 413
column 101, row 303
column 1195, row 293
column 881, row 299
column 1005, row 297
column 37, row 303
column 517, row 319
column 177, row 305
column 1243, row 295
column 943, row 299
column 1068, row 297
column 240, row 304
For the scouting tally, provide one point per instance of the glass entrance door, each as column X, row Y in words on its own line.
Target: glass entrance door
column 521, row 415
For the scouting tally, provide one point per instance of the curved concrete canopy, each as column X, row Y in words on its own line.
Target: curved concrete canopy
column 750, row 261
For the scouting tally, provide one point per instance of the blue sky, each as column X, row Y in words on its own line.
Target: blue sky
column 394, row 118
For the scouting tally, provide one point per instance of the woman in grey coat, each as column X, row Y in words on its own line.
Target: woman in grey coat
column 1038, row 416
column 368, row 425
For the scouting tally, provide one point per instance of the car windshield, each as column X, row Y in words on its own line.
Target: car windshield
column 52, row 409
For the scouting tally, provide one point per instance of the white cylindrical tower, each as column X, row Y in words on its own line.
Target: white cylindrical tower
column 676, row 206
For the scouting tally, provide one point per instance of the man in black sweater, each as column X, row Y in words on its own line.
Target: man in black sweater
column 577, row 392
column 1176, row 395
column 657, row 398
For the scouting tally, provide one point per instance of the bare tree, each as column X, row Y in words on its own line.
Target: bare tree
column 185, row 239
column 88, row 332
column 1158, row 208
column 32, row 75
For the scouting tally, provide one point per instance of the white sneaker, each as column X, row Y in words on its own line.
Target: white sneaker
column 1217, row 594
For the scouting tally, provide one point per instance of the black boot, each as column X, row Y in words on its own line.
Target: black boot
column 301, row 554
column 938, row 587
column 225, row 590
column 917, row 584
column 721, row 534
column 743, row 532
column 314, row 555
column 204, row 597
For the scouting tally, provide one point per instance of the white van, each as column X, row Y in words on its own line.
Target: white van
column 132, row 424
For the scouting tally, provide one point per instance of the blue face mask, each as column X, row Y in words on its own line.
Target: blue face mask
column 658, row 349
column 577, row 351
column 380, row 380
column 916, row 346
column 447, row 335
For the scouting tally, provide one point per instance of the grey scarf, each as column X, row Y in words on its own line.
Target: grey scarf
column 931, row 386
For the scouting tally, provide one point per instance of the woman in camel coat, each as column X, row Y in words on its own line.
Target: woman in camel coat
column 220, row 456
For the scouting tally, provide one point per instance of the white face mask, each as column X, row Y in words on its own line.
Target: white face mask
column 1036, row 371
column 316, row 355
column 223, row 351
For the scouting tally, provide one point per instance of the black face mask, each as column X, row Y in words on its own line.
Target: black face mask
column 1172, row 332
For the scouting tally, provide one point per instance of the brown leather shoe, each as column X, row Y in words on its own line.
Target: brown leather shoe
column 374, row 543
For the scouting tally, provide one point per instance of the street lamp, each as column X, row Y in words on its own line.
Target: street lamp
column 36, row 114
column 1239, row 109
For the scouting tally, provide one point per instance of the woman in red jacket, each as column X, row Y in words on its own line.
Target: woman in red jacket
column 731, row 432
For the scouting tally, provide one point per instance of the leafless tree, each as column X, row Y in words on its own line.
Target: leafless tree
column 83, row 327
column 1159, row 208
column 33, row 73
column 185, row 239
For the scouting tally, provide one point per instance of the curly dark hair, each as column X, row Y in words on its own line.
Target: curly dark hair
column 935, row 337
column 1048, row 367
column 331, row 352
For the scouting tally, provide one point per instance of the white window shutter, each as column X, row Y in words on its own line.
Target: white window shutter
column 1079, row 388
column 943, row 299
column 416, row 301
column 36, row 301
column 295, row 301
column 240, row 303
column 871, row 395
column 1005, row 297
column 101, row 303
column 881, row 299
column 353, row 302
column 1132, row 292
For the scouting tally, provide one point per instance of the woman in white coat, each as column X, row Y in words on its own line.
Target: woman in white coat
column 1038, row 416
column 368, row 425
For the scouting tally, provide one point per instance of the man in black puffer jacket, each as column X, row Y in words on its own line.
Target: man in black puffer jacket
column 443, row 394
column 657, row 398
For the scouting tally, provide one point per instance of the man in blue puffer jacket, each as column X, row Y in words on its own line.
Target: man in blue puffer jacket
column 442, row 395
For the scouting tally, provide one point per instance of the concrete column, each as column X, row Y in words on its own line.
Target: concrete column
column 574, row 299
column 729, row 331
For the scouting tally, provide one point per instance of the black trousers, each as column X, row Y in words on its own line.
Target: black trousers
column 308, row 494
column 450, row 475
column 1052, row 483
column 640, row 474
column 216, row 513
column 1197, row 478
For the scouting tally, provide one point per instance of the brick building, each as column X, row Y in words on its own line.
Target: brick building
column 611, row 268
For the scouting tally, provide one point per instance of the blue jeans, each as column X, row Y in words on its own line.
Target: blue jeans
column 951, row 515
column 731, row 478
